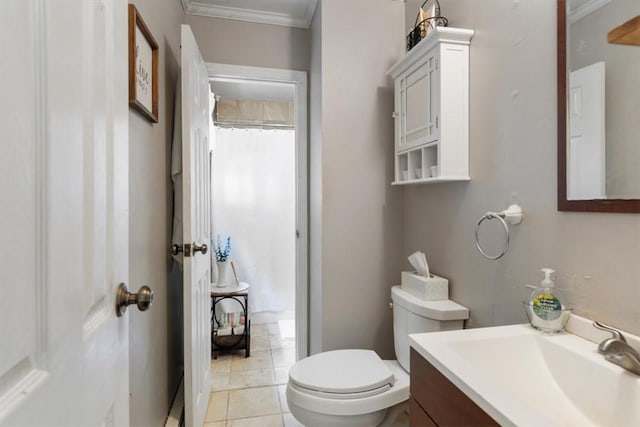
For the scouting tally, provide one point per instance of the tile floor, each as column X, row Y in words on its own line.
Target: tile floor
column 249, row 392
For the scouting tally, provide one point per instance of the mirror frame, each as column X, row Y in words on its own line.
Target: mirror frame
column 605, row 205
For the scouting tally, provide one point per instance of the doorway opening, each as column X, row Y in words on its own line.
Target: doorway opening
column 259, row 196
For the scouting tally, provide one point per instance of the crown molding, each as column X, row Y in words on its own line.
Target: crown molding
column 586, row 9
column 193, row 7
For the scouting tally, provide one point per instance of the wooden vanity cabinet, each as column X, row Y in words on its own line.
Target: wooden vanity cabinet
column 437, row 402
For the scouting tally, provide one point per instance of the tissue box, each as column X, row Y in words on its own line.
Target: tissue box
column 432, row 288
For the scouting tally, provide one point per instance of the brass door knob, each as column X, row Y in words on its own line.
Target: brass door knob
column 202, row 248
column 143, row 299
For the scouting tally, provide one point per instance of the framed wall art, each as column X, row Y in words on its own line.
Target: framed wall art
column 143, row 67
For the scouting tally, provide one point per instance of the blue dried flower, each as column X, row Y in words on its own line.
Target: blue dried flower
column 222, row 255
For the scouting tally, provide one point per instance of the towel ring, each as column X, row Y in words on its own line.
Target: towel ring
column 513, row 214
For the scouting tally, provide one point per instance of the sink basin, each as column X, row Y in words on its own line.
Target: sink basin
column 522, row 377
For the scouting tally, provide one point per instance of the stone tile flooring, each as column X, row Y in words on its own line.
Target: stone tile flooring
column 249, row 392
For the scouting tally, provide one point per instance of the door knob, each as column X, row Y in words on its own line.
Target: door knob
column 124, row 298
column 176, row 249
column 202, row 248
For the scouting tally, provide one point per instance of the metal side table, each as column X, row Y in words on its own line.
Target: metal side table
column 232, row 300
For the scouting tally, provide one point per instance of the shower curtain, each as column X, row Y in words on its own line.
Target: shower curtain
column 254, row 203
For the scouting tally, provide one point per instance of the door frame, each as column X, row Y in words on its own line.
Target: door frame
column 219, row 71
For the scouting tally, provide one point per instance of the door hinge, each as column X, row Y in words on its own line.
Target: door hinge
column 436, row 122
column 297, row 234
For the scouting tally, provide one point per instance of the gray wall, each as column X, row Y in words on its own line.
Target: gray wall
column 513, row 157
column 228, row 41
column 155, row 335
column 361, row 213
column 587, row 45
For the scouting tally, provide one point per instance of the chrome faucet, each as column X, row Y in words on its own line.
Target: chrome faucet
column 616, row 350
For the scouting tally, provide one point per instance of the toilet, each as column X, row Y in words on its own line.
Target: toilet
column 355, row 388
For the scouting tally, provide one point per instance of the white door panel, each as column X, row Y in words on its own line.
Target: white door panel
column 196, row 229
column 64, row 212
column 586, row 173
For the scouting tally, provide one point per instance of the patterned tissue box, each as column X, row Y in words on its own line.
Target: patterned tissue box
column 432, row 288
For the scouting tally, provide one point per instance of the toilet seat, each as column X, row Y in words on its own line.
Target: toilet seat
column 346, row 404
column 342, row 374
column 341, row 396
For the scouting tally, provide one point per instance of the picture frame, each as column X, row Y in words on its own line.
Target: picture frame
column 143, row 67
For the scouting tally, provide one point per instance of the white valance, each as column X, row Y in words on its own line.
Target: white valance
column 245, row 113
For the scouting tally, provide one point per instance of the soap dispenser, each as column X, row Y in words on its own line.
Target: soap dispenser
column 545, row 305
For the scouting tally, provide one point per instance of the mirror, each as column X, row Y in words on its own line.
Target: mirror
column 598, row 107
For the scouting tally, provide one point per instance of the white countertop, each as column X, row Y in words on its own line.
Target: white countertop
column 522, row 377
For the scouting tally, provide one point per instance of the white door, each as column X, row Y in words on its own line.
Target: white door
column 196, row 216
column 586, row 155
column 64, row 356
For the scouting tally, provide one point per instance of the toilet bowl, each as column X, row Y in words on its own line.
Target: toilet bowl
column 355, row 388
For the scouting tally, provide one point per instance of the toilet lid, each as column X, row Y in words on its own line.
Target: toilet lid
column 342, row 371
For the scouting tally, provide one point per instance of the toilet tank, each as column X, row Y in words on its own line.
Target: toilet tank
column 413, row 315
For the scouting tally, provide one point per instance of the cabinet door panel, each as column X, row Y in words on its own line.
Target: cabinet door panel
column 441, row 399
column 419, row 104
column 417, row 416
column 418, row 107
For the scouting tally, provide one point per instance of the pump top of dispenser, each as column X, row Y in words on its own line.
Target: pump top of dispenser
column 547, row 282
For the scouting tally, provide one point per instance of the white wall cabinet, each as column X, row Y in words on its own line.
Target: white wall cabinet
column 432, row 109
